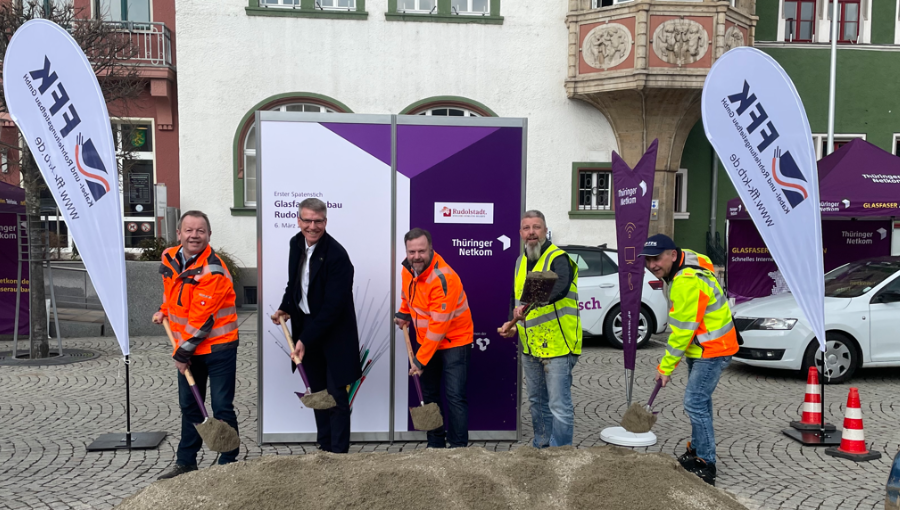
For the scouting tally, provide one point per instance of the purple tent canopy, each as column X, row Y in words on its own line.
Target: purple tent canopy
column 12, row 199
column 859, row 180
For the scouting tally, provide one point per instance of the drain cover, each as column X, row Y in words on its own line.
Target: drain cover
column 68, row 356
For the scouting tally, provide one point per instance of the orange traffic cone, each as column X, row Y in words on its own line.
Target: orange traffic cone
column 853, row 440
column 811, row 419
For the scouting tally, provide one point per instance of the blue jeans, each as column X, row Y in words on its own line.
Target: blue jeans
column 453, row 365
column 549, row 385
column 703, row 376
column 221, row 369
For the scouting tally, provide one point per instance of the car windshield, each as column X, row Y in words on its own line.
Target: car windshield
column 855, row 279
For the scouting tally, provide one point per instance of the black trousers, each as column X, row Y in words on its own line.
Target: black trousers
column 332, row 425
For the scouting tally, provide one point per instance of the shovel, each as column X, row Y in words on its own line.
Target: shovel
column 320, row 400
column 427, row 416
column 639, row 419
column 218, row 435
column 536, row 292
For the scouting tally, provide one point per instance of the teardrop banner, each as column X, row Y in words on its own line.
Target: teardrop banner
column 632, row 199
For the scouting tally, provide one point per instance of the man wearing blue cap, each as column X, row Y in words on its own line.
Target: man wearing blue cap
column 703, row 332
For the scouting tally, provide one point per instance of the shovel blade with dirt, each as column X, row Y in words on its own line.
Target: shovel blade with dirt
column 427, row 416
column 320, row 400
column 218, row 435
column 639, row 419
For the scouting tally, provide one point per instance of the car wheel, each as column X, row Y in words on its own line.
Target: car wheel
column 841, row 358
column 612, row 327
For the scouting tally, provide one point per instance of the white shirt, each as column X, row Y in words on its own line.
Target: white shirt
column 304, row 280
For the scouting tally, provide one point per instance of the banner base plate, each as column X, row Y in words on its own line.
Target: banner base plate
column 814, row 437
column 621, row 437
column 811, row 427
column 116, row 441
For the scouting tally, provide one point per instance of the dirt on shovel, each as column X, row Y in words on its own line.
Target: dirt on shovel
column 427, row 417
column 319, row 400
column 638, row 420
column 218, row 435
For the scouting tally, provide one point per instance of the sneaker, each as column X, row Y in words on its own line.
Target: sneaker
column 176, row 471
column 687, row 458
column 706, row 472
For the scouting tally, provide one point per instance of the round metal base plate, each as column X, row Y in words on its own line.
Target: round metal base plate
column 621, row 437
column 68, row 356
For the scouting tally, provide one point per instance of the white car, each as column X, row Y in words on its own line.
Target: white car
column 862, row 309
column 598, row 296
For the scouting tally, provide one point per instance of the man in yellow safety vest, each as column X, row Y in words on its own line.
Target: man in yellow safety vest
column 702, row 332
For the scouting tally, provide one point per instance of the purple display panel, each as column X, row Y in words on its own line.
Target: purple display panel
column 466, row 189
column 633, row 197
column 8, row 279
column 849, row 241
column 752, row 272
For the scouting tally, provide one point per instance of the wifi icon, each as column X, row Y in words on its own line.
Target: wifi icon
column 629, row 229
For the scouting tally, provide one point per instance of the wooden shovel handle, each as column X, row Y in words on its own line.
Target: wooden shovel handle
column 287, row 336
column 187, row 371
column 409, row 350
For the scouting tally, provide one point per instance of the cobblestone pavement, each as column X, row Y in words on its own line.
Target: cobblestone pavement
column 50, row 414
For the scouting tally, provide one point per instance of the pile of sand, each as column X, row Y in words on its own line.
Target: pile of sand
column 469, row 478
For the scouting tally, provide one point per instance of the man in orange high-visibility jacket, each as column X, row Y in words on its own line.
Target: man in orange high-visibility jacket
column 198, row 300
column 702, row 332
column 434, row 300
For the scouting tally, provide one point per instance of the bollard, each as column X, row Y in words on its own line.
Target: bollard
column 892, row 490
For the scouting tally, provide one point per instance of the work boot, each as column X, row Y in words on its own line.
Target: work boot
column 706, row 472
column 687, row 458
column 176, row 471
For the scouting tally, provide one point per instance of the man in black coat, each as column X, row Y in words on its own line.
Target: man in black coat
column 319, row 302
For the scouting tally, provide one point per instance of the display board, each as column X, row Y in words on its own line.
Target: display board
column 379, row 175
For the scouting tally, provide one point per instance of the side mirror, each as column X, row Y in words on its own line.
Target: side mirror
column 888, row 296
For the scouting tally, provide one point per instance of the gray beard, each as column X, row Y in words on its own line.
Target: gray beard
column 534, row 253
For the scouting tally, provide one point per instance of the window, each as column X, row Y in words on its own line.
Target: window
column 337, row 4
column 481, row 7
column 416, row 5
column 848, row 20
column 681, row 183
column 448, row 106
column 821, row 143
column 592, row 262
column 594, row 189
column 134, row 150
column 250, row 148
column 896, row 144
column 280, row 3
column 123, row 10
column 799, row 20
column 450, row 111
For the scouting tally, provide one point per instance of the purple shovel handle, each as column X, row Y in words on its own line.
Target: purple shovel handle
column 655, row 391
column 303, row 375
column 199, row 400
column 418, row 389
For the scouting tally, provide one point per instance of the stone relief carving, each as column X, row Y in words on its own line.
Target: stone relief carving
column 680, row 41
column 606, row 46
column 733, row 38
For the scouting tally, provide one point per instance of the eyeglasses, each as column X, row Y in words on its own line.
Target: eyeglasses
column 317, row 223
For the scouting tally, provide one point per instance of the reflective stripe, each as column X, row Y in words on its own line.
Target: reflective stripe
column 228, row 328
column 419, row 311
column 177, row 320
column 711, row 335
column 572, row 295
column 421, row 323
column 213, row 268
column 854, row 413
column 717, row 304
column 442, row 278
column 674, row 352
column 550, row 316
column 853, row 434
column 460, row 310
column 435, row 337
column 225, row 312
column 549, row 256
column 811, row 407
column 813, row 388
column 195, row 333
column 690, row 326
column 441, row 317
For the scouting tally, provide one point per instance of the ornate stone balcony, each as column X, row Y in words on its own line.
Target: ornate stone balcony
column 643, row 64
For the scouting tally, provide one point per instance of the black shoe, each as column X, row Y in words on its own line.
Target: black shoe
column 706, row 472
column 177, row 470
column 688, row 458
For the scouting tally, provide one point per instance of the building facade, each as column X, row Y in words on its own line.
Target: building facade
column 450, row 57
column 796, row 33
column 145, row 128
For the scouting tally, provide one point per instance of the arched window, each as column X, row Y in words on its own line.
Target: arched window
column 448, row 106
column 245, row 164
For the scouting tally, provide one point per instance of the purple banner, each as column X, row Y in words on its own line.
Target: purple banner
column 632, row 199
column 752, row 273
column 465, row 188
column 9, row 278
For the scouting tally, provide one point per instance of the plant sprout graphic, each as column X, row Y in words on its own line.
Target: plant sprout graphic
column 373, row 321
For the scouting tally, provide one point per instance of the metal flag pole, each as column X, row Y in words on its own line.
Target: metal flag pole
column 629, row 386
column 829, row 150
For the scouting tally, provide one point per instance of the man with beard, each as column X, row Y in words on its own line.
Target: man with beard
column 433, row 299
column 550, row 336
